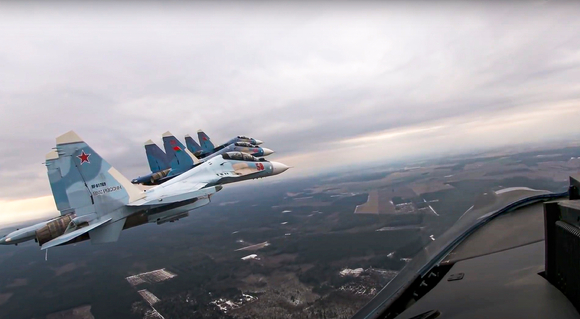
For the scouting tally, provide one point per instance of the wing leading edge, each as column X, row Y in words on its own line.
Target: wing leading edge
column 164, row 198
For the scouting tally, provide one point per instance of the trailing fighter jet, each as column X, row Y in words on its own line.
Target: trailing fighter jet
column 207, row 147
column 237, row 146
column 178, row 164
column 96, row 202
column 243, row 147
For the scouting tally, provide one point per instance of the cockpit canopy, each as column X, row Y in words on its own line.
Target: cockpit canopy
column 245, row 144
column 244, row 137
column 239, row 156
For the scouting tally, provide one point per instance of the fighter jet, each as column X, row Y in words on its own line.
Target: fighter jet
column 243, row 147
column 96, row 202
column 207, row 147
column 179, row 165
column 237, row 144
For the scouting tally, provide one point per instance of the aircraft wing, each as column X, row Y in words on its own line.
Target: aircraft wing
column 72, row 235
column 107, row 233
column 186, row 191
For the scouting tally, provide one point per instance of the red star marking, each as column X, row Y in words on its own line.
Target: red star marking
column 172, row 142
column 84, row 157
column 204, row 138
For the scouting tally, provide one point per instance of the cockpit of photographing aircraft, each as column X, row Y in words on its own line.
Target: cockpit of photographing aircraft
column 239, row 156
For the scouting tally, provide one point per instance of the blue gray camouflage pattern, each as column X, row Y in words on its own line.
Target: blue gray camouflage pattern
column 97, row 202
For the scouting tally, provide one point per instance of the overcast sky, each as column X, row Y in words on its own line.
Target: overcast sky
column 317, row 82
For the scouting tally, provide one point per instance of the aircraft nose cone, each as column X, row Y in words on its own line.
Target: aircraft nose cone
column 267, row 151
column 5, row 240
column 258, row 142
column 278, row 168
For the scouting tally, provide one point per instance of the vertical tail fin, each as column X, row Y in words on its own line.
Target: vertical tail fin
column 206, row 144
column 181, row 162
column 156, row 157
column 192, row 145
column 92, row 185
column 57, row 184
column 180, row 158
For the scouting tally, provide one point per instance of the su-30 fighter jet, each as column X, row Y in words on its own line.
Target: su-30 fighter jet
column 206, row 146
column 96, row 202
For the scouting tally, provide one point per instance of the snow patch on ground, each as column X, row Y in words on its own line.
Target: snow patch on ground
column 252, row 256
column 150, row 277
column 358, row 289
column 149, row 296
column 351, row 272
column 226, row 305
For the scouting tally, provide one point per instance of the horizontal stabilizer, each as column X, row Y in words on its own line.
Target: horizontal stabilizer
column 168, row 199
column 72, row 235
column 107, row 233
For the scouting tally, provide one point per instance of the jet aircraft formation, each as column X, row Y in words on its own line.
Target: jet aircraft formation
column 178, row 158
column 96, row 202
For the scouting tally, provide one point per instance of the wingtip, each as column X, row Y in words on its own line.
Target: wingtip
column 68, row 137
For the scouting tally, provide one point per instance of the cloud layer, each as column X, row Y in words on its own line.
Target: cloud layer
column 318, row 83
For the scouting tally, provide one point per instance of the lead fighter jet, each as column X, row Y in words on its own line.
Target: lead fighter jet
column 96, row 202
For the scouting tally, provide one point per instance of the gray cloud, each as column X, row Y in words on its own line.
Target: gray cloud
column 299, row 77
